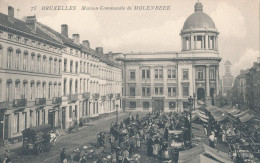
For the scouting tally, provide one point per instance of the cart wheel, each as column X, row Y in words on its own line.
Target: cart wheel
column 39, row 149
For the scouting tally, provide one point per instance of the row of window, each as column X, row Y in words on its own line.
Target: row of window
column 33, row 43
column 92, row 87
column 30, row 91
column 171, row 73
column 158, row 90
column 92, row 69
column 33, row 62
column 146, row 105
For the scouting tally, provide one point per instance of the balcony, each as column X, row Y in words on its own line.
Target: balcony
column 73, row 97
column 103, row 98
column 118, row 96
column 4, row 105
column 95, row 96
column 110, row 96
column 40, row 101
column 200, row 80
column 56, row 100
column 19, row 103
column 86, row 95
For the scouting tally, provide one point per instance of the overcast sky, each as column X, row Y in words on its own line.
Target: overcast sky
column 152, row 31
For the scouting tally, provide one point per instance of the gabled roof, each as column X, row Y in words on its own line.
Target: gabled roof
column 21, row 27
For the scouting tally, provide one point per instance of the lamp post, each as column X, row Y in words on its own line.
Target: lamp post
column 191, row 104
column 117, row 113
column 194, row 99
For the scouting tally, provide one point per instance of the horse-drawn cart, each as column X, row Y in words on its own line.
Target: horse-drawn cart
column 37, row 139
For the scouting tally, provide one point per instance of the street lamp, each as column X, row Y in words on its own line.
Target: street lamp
column 117, row 113
column 191, row 104
column 194, row 99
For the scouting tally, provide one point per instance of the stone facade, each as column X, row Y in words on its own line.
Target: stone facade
column 48, row 78
column 164, row 81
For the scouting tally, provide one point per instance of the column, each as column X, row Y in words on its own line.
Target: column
column 192, row 42
column 217, row 81
column 216, row 43
column 207, row 81
column 206, row 41
column 203, row 42
column 195, row 44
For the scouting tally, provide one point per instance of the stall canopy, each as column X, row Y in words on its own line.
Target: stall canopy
column 241, row 114
column 246, row 118
column 203, row 153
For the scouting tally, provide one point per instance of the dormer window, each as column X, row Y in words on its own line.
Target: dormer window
column 25, row 41
column 71, row 51
column 10, row 36
column 39, row 44
column 19, row 39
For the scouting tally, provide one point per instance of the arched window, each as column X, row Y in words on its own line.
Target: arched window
column 59, row 88
column 50, row 64
column 1, row 55
column 9, row 90
column 25, row 88
column 32, row 62
column 50, row 90
column 9, row 57
column 17, row 89
column 44, row 63
column 54, row 66
column 32, row 90
column 25, row 60
column 38, row 89
column 39, row 63
column 44, row 89
column 17, row 59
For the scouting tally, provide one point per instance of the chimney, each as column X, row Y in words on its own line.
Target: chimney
column 110, row 55
column 86, row 44
column 30, row 21
column 75, row 38
column 64, row 30
column 99, row 50
column 11, row 12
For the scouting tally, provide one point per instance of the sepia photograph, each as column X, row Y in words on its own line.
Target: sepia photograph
column 129, row 81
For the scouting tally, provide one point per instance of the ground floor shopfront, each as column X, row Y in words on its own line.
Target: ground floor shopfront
column 16, row 118
column 157, row 104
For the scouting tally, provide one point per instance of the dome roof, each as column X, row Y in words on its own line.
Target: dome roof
column 198, row 19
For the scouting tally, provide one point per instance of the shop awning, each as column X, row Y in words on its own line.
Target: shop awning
column 203, row 153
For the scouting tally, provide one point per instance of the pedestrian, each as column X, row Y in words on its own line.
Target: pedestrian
column 7, row 158
column 63, row 156
column 166, row 134
column 212, row 139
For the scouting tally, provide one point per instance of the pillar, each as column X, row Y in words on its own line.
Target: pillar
column 206, row 42
column 203, row 42
column 217, row 80
column 192, row 42
column 207, row 81
column 195, row 44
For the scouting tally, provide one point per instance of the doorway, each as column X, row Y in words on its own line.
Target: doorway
column 51, row 119
column 158, row 106
column 201, row 94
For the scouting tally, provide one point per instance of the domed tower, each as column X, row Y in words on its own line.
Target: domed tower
column 199, row 32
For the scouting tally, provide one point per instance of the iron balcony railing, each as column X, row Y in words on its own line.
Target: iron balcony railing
column 73, row 97
column 56, row 100
column 4, row 105
column 19, row 102
column 86, row 95
column 40, row 101
column 95, row 96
